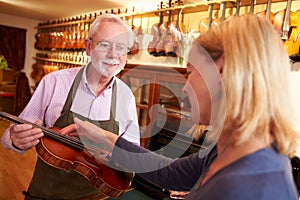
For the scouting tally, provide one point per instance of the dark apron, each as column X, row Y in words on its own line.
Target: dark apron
column 52, row 183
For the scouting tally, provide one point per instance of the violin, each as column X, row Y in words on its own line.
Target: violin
column 135, row 48
column 181, row 24
column 140, row 29
column 59, row 38
column 171, row 44
column 282, row 21
column 252, row 4
column 43, row 39
column 152, row 44
column 167, row 44
column 69, row 153
column 289, row 29
column 85, row 31
column 159, row 48
column 267, row 13
column 38, row 41
column 77, row 33
column 237, row 9
column 205, row 24
column 292, row 44
column 219, row 20
column 155, row 32
column 68, row 35
column 140, row 34
column 52, row 38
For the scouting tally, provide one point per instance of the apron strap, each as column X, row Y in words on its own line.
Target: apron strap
column 73, row 90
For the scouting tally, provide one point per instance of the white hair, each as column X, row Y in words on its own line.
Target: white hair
column 112, row 18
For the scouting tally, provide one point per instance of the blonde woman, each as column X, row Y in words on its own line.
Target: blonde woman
column 241, row 90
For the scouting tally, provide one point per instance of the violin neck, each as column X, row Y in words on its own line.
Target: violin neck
column 210, row 12
column 286, row 25
column 268, row 12
column 223, row 7
column 48, row 132
column 238, row 6
column 252, row 4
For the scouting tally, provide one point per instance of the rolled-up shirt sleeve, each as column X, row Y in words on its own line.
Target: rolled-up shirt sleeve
column 7, row 143
column 35, row 109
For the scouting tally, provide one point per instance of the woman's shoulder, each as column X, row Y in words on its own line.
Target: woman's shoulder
column 265, row 160
column 264, row 172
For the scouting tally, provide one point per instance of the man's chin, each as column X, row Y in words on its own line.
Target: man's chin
column 108, row 72
column 112, row 73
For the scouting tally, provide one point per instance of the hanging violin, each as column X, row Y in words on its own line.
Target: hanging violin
column 156, row 33
column 282, row 21
column 219, row 20
column 267, row 13
column 38, row 41
column 205, row 24
column 171, row 44
column 135, row 48
column 292, row 44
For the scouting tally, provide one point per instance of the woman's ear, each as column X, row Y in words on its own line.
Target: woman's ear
column 220, row 63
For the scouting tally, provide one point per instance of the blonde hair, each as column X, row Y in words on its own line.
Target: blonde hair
column 256, row 81
column 112, row 18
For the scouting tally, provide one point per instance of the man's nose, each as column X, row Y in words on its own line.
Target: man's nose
column 112, row 53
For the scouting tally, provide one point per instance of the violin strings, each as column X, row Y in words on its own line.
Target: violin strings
column 70, row 140
column 51, row 133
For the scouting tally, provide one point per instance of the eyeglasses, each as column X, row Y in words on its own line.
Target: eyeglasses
column 121, row 49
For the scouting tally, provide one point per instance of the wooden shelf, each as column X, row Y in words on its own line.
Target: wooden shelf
column 64, row 24
column 187, row 8
column 59, row 61
column 199, row 7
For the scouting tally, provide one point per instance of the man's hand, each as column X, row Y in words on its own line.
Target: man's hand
column 25, row 136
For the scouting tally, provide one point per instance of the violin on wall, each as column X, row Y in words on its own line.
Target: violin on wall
column 267, row 13
column 205, row 24
column 286, row 23
column 159, row 48
column 292, row 44
column 152, row 44
column 69, row 153
column 282, row 21
column 171, row 44
column 135, row 48
column 42, row 39
column 164, row 45
column 38, row 41
column 219, row 20
column 156, row 33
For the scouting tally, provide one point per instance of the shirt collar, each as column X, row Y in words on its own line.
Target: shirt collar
column 84, row 80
